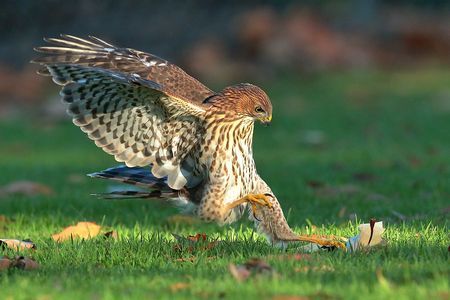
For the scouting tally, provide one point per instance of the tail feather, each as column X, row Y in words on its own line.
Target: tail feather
column 138, row 176
column 130, row 195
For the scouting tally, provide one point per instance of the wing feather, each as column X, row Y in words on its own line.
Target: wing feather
column 131, row 118
column 94, row 52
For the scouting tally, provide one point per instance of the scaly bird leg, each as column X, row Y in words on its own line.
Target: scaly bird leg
column 253, row 200
column 321, row 241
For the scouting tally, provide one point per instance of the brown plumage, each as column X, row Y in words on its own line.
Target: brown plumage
column 148, row 112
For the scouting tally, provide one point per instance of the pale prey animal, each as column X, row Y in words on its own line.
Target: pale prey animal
column 176, row 137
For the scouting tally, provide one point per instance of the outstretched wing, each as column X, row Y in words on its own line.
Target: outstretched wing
column 128, row 115
column 94, row 52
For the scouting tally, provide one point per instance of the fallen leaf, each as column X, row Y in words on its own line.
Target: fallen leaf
column 17, row 244
column 258, row 265
column 254, row 266
column 25, row 263
column 179, row 286
column 194, row 242
column 197, row 237
column 5, row 263
column 26, row 188
column 19, row 262
column 315, row 184
column 83, row 230
column 111, row 234
column 240, row 273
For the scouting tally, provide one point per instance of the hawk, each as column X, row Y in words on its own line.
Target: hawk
column 177, row 137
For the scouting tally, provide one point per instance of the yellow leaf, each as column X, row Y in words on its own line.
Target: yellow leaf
column 17, row 244
column 84, row 230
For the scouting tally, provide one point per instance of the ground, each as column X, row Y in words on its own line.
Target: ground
column 343, row 147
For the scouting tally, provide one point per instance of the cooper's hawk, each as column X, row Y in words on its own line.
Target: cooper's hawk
column 149, row 113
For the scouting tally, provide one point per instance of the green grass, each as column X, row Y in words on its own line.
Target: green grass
column 392, row 126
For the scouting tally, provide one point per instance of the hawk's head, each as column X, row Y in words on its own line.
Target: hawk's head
column 247, row 100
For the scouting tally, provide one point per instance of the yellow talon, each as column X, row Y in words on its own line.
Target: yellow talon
column 322, row 241
column 260, row 199
column 253, row 200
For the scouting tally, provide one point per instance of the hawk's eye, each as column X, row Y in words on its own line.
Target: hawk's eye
column 259, row 109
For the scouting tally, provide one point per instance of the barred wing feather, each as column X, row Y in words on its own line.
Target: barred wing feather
column 131, row 118
column 94, row 52
column 134, row 105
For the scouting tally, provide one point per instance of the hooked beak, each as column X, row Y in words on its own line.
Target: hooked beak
column 266, row 121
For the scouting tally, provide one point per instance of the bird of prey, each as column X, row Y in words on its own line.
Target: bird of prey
column 177, row 137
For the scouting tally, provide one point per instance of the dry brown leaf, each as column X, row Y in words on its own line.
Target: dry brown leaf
column 197, row 237
column 179, row 286
column 315, row 184
column 5, row 263
column 17, row 244
column 111, row 234
column 254, row 266
column 240, row 273
column 25, row 263
column 19, row 262
column 83, row 230
column 26, row 188
column 194, row 242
